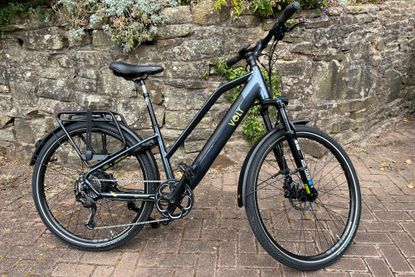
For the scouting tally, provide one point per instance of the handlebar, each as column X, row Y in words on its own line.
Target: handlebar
column 287, row 13
column 277, row 30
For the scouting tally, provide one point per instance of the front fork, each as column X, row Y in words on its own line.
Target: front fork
column 291, row 137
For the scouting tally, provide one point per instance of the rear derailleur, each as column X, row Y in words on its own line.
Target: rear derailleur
column 101, row 182
column 88, row 200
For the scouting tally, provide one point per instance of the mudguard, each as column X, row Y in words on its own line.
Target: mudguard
column 42, row 141
column 241, row 182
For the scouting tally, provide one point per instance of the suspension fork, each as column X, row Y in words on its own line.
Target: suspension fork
column 278, row 153
column 292, row 141
column 295, row 149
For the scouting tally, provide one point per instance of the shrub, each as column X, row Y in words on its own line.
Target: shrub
column 266, row 8
column 127, row 22
column 12, row 8
column 252, row 127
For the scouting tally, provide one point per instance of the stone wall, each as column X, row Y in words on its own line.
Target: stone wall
column 348, row 70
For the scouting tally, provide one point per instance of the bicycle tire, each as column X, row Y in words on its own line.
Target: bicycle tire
column 52, row 157
column 286, row 226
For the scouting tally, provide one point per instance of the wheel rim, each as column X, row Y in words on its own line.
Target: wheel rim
column 304, row 230
column 58, row 173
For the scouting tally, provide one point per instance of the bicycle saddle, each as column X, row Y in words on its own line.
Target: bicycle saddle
column 133, row 71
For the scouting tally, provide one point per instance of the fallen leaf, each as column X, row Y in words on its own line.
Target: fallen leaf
column 410, row 185
column 408, row 161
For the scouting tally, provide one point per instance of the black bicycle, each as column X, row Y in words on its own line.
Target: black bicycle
column 95, row 182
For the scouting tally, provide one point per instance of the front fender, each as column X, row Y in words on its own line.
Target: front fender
column 241, row 182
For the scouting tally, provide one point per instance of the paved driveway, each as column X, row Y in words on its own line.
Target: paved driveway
column 215, row 239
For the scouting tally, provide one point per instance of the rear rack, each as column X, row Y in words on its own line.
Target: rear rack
column 90, row 116
column 98, row 115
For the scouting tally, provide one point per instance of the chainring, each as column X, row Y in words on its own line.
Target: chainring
column 162, row 203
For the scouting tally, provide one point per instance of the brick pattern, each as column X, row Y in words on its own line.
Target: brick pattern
column 216, row 240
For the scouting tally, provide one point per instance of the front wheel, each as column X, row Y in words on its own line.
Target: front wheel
column 301, row 233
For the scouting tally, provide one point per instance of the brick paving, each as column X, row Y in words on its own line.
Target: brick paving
column 215, row 239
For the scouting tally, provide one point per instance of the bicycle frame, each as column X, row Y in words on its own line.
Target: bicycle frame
column 254, row 89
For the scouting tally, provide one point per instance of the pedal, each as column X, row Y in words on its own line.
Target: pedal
column 186, row 170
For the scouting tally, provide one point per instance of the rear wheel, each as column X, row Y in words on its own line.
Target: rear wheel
column 303, row 234
column 59, row 194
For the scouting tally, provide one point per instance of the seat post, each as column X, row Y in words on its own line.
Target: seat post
column 156, row 128
column 149, row 104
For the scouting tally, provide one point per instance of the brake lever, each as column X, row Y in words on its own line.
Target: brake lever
column 244, row 50
column 299, row 24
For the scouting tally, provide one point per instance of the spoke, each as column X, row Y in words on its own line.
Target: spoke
column 70, row 217
column 321, row 226
column 324, row 176
column 59, row 201
column 77, row 220
column 283, row 211
column 269, row 184
column 97, row 214
column 332, row 212
column 336, row 195
column 112, row 220
column 67, row 152
column 51, row 167
column 268, row 197
column 333, row 220
column 268, row 162
column 332, row 188
column 333, row 180
column 335, row 206
column 272, row 177
column 301, row 231
column 316, row 229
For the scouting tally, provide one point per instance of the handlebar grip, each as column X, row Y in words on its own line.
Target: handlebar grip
column 232, row 61
column 287, row 13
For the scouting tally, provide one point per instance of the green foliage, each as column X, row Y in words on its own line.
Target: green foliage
column 261, row 8
column 357, row 2
column 238, row 6
column 12, row 8
column 127, row 22
column 253, row 127
column 266, row 8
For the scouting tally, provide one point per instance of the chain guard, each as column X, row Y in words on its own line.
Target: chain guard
column 181, row 210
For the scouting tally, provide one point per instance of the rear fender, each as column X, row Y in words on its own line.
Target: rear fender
column 40, row 142
column 241, row 182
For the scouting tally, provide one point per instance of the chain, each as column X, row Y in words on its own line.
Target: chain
column 131, row 181
column 134, row 224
